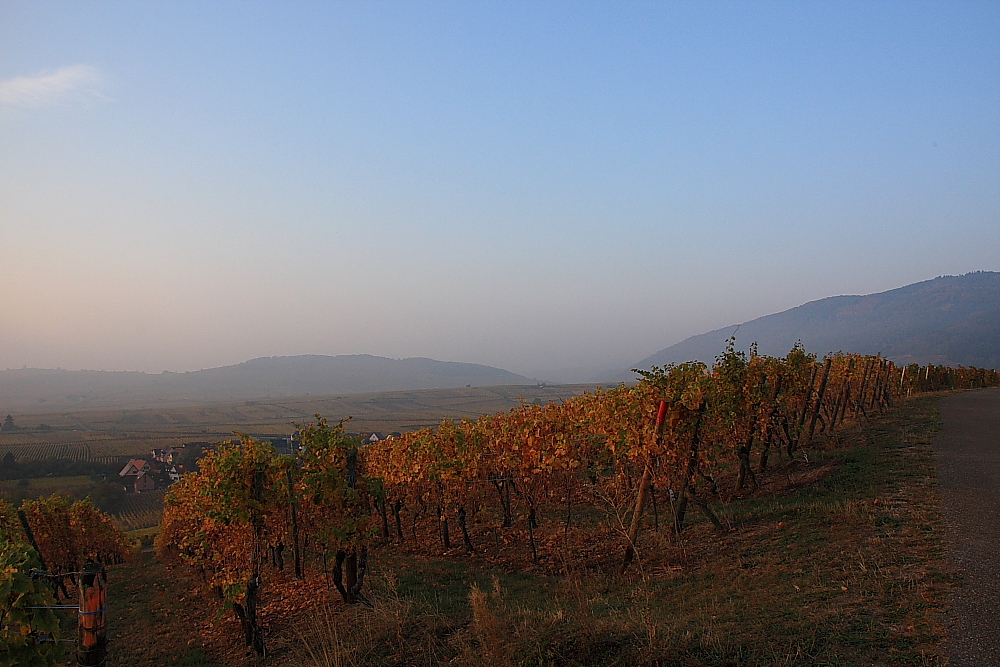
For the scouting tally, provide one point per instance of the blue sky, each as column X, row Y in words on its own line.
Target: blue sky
column 553, row 188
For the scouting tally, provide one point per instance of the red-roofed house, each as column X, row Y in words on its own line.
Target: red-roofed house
column 139, row 475
column 135, row 467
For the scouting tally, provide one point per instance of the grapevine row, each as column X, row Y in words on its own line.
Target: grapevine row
column 74, row 451
column 687, row 432
column 141, row 510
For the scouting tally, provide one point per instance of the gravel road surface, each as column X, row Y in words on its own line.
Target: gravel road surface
column 968, row 457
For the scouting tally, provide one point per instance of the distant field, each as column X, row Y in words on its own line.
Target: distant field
column 115, row 433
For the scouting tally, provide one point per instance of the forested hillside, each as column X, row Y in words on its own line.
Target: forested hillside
column 950, row 320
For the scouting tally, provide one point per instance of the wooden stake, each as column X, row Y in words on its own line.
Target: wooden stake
column 55, row 581
column 849, row 378
column 859, row 402
column 808, row 397
column 31, row 536
column 92, row 639
column 295, row 524
column 640, row 502
column 819, row 402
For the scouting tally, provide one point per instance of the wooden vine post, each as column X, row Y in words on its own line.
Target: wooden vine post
column 807, row 398
column 92, row 638
column 295, row 523
column 846, row 396
column 860, row 402
column 768, row 426
column 640, row 502
column 23, row 518
column 253, row 586
column 819, row 403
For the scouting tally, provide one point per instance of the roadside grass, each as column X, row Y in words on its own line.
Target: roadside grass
column 838, row 560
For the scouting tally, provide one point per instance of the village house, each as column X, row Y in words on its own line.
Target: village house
column 140, row 475
column 135, row 467
column 169, row 454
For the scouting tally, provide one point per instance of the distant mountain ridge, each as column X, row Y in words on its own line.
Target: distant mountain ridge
column 267, row 377
column 952, row 320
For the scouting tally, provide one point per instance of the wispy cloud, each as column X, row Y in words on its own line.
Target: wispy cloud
column 65, row 83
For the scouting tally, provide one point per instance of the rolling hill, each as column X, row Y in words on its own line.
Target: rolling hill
column 36, row 390
column 953, row 320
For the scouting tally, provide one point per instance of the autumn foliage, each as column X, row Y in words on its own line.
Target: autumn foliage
column 66, row 535
column 249, row 506
column 585, row 467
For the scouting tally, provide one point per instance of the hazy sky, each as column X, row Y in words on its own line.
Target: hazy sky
column 537, row 186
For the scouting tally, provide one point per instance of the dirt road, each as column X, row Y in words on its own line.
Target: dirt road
column 968, row 455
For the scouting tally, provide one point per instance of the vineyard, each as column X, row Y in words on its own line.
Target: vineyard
column 44, row 547
column 550, row 488
column 102, row 450
column 141, row 510
column 77, row 451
